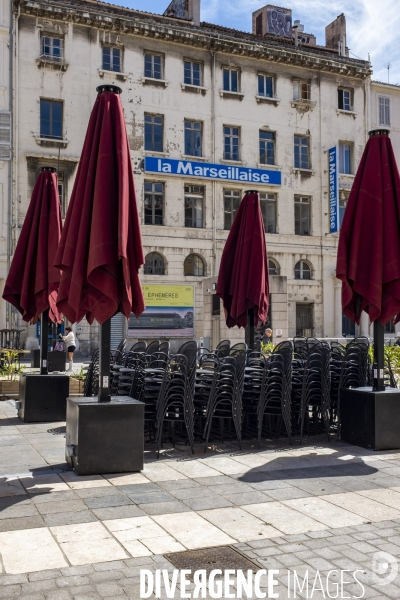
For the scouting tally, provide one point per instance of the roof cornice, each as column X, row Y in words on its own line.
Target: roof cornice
column 126, row 21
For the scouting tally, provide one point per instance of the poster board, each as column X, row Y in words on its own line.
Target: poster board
column 169, row 312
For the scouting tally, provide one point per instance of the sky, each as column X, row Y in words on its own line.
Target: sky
column 372, row 26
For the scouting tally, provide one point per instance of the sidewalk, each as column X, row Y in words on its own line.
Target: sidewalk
column 319, row 507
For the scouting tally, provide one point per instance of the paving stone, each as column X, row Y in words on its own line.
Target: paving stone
column 109, row 589
column 80, row 570
column 107, row 501
column 42, row 575
column 61, row 507
column 38, row 586
column 17, row 523
column 58, row 595
column 69, row 518
column 163, row 508
column 72, row 580
column 110, row 566
column 10, row 591
column 119, row 512
column 12, row 579
column 106, row 576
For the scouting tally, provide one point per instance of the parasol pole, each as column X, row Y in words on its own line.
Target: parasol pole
column 44, row 341
column 379, row 332
column 379, row 357
column 104, row 362
column 250, row 328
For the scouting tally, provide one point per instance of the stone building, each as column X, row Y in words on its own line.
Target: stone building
column 210, row 112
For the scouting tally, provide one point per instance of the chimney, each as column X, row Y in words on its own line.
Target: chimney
column 335, row 35
column 189, row 10
column 272, row 20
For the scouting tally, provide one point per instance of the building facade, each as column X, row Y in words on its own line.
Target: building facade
column 210, row 113
column 7, row 200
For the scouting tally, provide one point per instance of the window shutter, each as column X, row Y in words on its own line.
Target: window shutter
column 384, row 111
column 5, row 135
column 387, row 111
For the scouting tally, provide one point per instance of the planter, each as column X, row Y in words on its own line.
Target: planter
column 9, row 389
column 75, row 387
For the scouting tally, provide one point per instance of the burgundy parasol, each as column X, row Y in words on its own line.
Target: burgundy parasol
column 32, row 282
column 368, row 261
column 100, row 251
column 243, row 274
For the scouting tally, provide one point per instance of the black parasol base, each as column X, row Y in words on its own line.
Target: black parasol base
column 105, row 437
column 370, row 419
column 43, row 398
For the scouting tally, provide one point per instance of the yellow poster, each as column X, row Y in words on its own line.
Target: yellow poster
column 169, row 312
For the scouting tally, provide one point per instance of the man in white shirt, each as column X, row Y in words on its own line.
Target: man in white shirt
column 69, row 341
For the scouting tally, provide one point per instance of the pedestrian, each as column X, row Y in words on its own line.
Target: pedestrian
column 69, row 341
column 397, row 342
column 267, row 337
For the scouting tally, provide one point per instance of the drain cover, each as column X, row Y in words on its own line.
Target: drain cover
column 208, row 559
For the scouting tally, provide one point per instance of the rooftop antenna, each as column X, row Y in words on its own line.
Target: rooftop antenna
column 388, row 68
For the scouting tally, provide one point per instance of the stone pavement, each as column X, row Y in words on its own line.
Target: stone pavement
column 311, row 509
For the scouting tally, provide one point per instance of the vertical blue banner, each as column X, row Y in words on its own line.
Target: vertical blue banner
column 333, row 190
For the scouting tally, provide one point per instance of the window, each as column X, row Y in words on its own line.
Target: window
column 153, row 66
column 302, row 270
column 215, row 305
column 273, row 268
column 301, row 90
column 345, row 152
column 51, row 115
column 342, row 207
column 193, row 138
column 304, row 320
column 267, row 147
column 153, row 203
column 111, row 59
column 231, row 80
column 344, row 99
column 52, row 48
column 231, row 205
column 153, row 133
column 5, row 135
column 192, row 72
column 302, row 215
column 194, row 197
column 268, row 210
column 231, row 143
column 193, row 265
column 265, row 86
column 384, row 111
column 301, row 152
column 389, row 327
column 154, row 264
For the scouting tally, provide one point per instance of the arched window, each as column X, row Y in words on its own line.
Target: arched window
column 302, row 270
column 154, row 264
column 194, row 265
column 273, row 267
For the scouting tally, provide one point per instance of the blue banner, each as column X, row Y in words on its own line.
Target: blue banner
column 189, row 168
column 333, row 190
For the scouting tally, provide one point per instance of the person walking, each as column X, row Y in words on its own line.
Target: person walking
column 69, row 341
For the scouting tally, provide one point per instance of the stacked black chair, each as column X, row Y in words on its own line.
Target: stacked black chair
column 300, row 347
column 252, row 386
column 226, row 394
column 146, row 387
column 164, row 348
column 223, row 348
column 208, row 366
column 275, row 400
column 176, row 399
column 338, row 352
column 91, row 384
column 315, row 401
column 355, row 369
column 127, row 372
column 121, row 363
